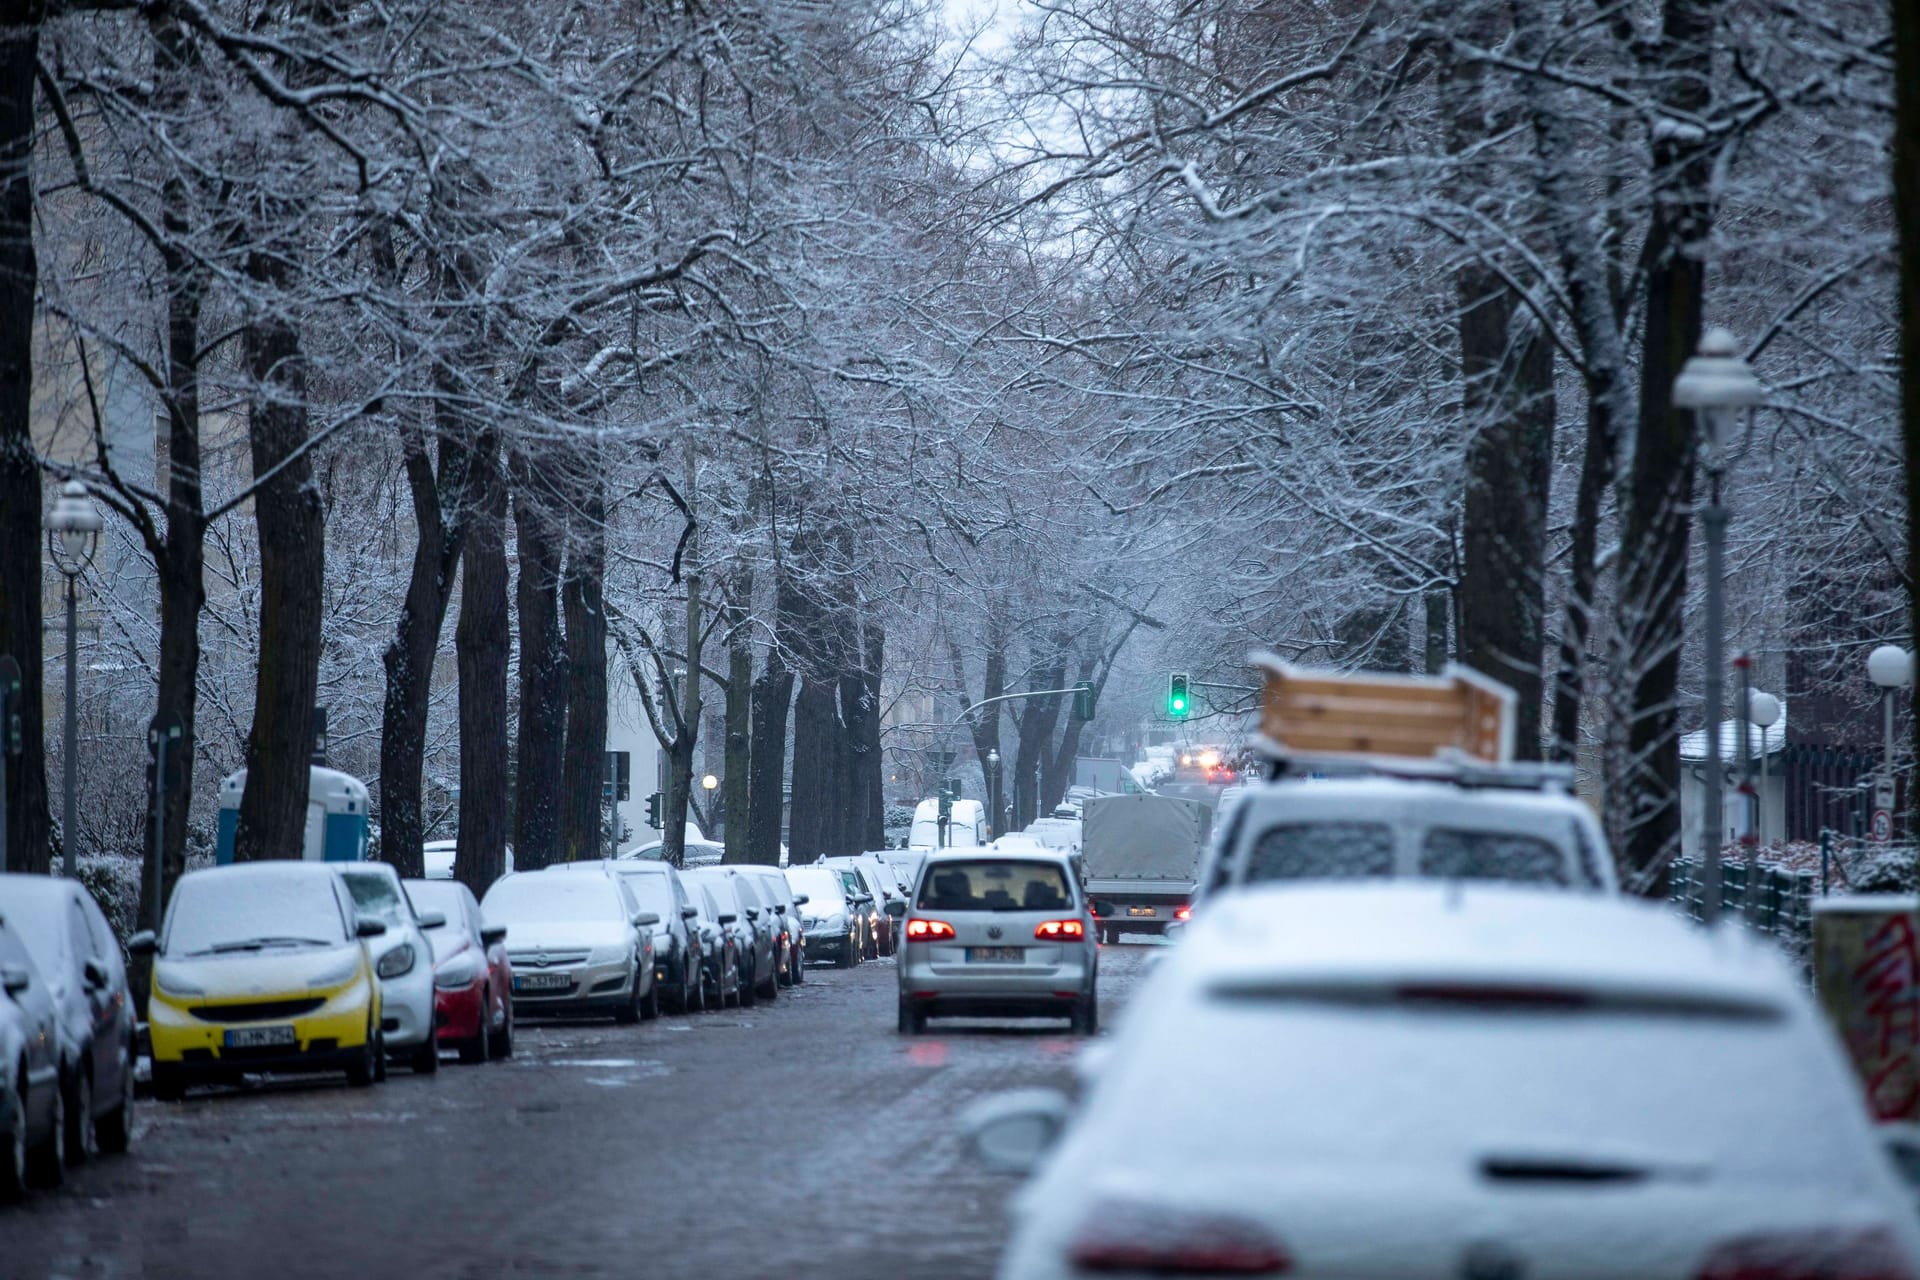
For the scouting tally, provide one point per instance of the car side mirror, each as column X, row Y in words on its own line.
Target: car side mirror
column 688, row 913
column 143, row 943
column 492, row 933
column 753, row 913
column 368, row 927
column 728, row 918
column 896, row 908
column 1009, row 1132
column 95, row 973
column 433, row 920
column 799, row 899
column 780, row 908
column 645, row 919
column 15, row 979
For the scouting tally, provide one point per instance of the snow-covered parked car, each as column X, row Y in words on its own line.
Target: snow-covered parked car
column 1457, row 1080
column 33, row 1122
column 402, row 960
column 578, row 943
column 1514, row 825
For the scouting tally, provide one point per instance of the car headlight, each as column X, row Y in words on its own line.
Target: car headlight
column 168, row 979
column 338, row 974
column 608, row 955
column 396, row 962
column 457, row 972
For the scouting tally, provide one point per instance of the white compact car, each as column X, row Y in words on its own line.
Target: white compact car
column 402, row 960
column 1457, row 1080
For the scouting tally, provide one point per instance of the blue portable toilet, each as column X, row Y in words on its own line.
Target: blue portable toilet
column 336, row 828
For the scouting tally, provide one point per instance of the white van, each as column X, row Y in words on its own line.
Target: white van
column 966, row 825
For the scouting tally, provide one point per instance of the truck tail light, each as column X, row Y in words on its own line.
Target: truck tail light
column 1059, row 930
column 1132, row 1236
column 1820, row 1254
column 1183, row 913
column 928, row 930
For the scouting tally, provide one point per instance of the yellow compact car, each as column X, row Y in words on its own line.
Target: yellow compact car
column 262, row 967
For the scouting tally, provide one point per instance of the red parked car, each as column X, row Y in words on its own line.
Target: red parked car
column 472, row 977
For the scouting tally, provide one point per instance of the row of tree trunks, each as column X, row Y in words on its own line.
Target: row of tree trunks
column 582, row 592
column 1036, row 722
column 767, row 751
column 27, row 819
column 539, row 744
column 737, row 752
column 480, row 645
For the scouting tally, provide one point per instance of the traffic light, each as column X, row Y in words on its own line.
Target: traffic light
column 1083, row 701
column 653, row 811
column 1178, row 703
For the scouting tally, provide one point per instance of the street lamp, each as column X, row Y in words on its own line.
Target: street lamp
column 993, row 789
column 1763, row 712
column 73, row 534
column 1716, row 384
column 1890, row 667
column 709, row 782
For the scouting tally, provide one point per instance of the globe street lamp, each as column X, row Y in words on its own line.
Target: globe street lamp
column 1716, row 384
column 1763, row 712
column 1890, row 667
column 73, row 534
column 709, row 782
column 993, row 790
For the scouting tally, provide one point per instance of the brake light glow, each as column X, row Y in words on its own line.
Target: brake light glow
column 1133, row 1236
column 928, row 930
column 1183, row 913
column 1831, row 1254
column 1059, row 930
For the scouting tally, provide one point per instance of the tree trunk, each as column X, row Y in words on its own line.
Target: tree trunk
column 984, row 724
column 816, row 733
column 1434, row 612
column 584, row 762
column 737, row 766
column 21, row 544
column 1583, row 580
column 1906, row 204
column 409, row 657
column 480, row 646
column 686, row 738
column 292, row 533
column 767, row 752
column 1657, row 525
column 541, row 731
column 1037, row 719
column 871, row 765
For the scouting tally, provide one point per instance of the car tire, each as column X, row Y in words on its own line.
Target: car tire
column 800, row 968
column 83, row 1137
column 116, row 1131
column 1085, row 1016
column 848, row 957
column 650, row 1007
column 425, row 1060
column 913, row 1020
column 744, row 994
column 366, row 1069
column 13, row 1160
column 503, row 1038
column 47, row 1159
column 871, row 951
column 475, row 1050
column 628, row 1014
column 380, row 1059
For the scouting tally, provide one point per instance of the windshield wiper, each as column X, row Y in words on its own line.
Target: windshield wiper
column 256, row 944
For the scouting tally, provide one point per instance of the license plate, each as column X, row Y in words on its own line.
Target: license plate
column 1139, row 911
column 996, row 955
column 541, row 981
column 254, row 1037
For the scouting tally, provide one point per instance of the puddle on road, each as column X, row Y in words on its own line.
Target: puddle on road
column 593, row 1062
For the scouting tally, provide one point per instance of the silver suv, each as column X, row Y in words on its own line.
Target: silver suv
column 993, row 934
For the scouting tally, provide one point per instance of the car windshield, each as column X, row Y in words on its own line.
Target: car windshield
column 651, row 892
column 1456, row 854
column 1321, row 851
column 252, row 909
column 983, row 885
column 825, row 893
column 376, row 894
column 436, row 895
column 42, row 926
column 532, row 897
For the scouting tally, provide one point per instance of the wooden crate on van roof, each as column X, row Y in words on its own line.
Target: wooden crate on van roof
column 1459, row 714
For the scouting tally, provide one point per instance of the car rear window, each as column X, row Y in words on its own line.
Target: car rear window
column 1452, row 853
column 986, row 885
column 1322, row 851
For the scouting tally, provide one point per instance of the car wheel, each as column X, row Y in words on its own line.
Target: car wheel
column 474, row 1051
column 425, row 1060
column 116, row 1131
column 47, row 1160
column 1085, row 1016
column 650, row 1007
column 380, row 1059
column 629, row 1013
column 913, row 1020
column 849, row 955
column 13, row 1169
column 744, row 993
column 872, row 950
column 83, row 1139
column 372, row 1060
column 503, row 1039
column 800, row 968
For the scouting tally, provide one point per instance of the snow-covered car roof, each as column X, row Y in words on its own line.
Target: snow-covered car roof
column 1404, row 932
column 994, row 853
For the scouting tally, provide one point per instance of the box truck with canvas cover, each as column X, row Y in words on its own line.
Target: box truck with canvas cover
column 1141, row 854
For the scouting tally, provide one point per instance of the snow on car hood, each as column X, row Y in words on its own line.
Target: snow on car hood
column 555, row 935
column 240, row 975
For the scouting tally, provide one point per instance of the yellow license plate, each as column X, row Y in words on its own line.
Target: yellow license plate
column 1139, row 911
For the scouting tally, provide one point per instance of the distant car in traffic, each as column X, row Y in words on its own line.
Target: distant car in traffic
column 472, row 977
column 75, row 952
column 830, row 918
column 262, row 967
column 1535, row 1082
column 997, row 935
column 33, row 1113
column 578, row 944
column 403, row 961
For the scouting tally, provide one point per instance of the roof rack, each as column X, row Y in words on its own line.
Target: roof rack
column 1455, row 727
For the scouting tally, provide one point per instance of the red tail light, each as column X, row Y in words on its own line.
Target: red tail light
column 1059, row 930
column 1183, row 913
column 928, row 930
column 1132, row 1236
column 1857, row 1254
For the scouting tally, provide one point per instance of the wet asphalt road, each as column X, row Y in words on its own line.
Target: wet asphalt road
column 802, row 1137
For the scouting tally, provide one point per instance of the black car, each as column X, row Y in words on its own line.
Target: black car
column 33, row 1113
column 656, row 887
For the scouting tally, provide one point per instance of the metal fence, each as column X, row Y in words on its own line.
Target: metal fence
column 1772, row 900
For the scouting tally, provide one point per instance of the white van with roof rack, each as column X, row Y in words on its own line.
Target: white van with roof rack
column 1401, row 777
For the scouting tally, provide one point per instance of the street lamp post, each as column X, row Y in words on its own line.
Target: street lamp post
column 1763, row 712
column 73, row 534
column 1716, row 384
column 1890, row 667
column 993, row 790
